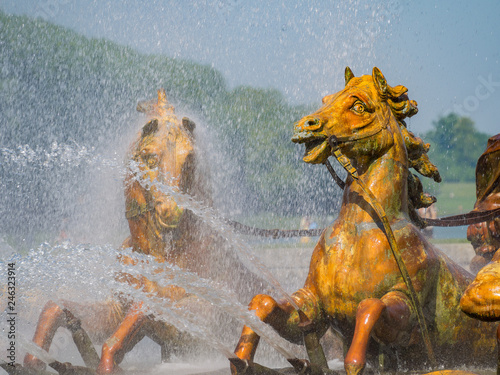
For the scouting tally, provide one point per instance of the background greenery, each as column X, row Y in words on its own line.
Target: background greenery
column 455, row 198
column 59, row 88
column 456, row 146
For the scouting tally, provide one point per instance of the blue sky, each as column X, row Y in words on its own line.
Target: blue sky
column 446, row 52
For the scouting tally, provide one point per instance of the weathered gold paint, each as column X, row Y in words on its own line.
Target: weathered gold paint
column 354, row 281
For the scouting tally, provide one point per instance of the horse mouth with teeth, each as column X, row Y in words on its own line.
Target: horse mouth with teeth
column 317, row 149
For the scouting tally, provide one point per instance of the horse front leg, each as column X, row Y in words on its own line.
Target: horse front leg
column 123, row 339
column 51, row 318
column 387, row 318
column 98, row 318
column 282, row 317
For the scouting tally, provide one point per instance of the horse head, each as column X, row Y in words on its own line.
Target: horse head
column 366, row 119
column 356, row 116
column 162, row 156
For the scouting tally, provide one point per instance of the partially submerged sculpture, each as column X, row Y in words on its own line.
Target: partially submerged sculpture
column 164, row 153
column 355, row 284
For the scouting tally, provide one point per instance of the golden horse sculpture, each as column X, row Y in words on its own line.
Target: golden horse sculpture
column 354, row 283
column 164, row 152
column 481, row 300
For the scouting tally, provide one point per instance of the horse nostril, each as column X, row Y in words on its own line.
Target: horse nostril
column 312, row 123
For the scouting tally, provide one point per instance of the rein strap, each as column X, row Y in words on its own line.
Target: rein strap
column 274, row 233
column 472, row 217
column 135, row 209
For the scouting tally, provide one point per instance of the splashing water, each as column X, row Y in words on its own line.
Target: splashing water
column 86, row 272
column 48, row 191
column 57, row 155
column 32, row 348
column 211, row 292
column 210, row 216
column 105, row 264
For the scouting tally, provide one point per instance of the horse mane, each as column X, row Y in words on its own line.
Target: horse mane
column 402, row 107
column 200, row 188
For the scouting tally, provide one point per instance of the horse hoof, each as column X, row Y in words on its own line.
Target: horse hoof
column 17, row 369
column 112, row 369
column 353, row 368
column 67, row 368
column 33, row 363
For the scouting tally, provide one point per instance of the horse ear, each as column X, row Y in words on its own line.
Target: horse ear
column 397, row 91
column 188, row 124
column 379, row 80
column 149, row 128
column 348, row 75
column 162, row 97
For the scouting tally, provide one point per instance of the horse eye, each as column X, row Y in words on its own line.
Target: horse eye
column 150, row 160
column 358, row 107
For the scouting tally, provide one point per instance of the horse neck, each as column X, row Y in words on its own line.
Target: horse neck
column 175, row 244
column 145, row 237
column 386, row 178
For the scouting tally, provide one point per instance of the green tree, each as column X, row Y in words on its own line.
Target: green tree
column 456, row 145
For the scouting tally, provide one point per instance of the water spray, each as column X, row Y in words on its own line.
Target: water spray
column 210, row 216
column 311, row 341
